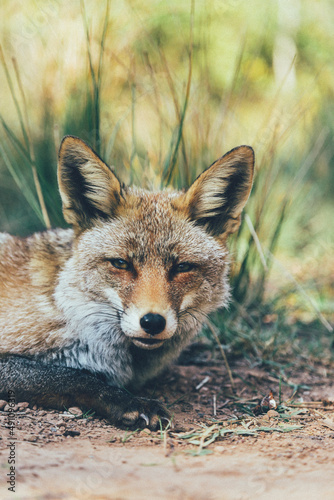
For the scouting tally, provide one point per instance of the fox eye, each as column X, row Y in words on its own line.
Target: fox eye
column 184, row 267
column 120, row 264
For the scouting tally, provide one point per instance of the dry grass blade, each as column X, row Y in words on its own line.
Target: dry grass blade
column 13, row 94
column 167, row 176
column 214, row 333
column 271, row 108
column 177, row 111
column 31, row 150
column 25, row 128
column 96, row 76
column 311, row 157
column 314, row 404
column 257, row 241
column 328, row 423
column 158, row 103
column 245, row 426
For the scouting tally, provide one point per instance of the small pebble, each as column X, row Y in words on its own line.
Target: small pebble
column 219, row 449
column 71, row 433
column 272, row 413
column 23, row 405
column 10, row 408
column 75, row 410
column 144, row 433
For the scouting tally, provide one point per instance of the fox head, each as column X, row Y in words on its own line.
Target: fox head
column 152, row 263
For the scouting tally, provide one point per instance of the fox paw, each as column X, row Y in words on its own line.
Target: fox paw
column 146, row 413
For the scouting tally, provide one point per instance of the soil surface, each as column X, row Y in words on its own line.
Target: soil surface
column 239, row 444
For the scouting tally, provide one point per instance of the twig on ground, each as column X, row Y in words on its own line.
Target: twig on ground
column 214, row 333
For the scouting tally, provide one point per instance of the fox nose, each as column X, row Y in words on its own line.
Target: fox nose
column 153, row 323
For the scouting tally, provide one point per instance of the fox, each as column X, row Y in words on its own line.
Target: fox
column 90, row 313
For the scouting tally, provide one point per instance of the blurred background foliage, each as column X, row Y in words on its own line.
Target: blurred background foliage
column 161, row 90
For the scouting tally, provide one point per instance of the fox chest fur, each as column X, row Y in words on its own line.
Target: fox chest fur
column 124, row 291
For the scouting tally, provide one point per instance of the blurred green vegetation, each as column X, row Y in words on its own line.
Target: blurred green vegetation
column 161, row 91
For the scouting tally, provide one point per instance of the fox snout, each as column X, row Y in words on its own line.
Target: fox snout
column 148, row 329
column 152, row 323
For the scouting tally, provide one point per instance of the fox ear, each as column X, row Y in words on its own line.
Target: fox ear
column 216, row 198
column 88, row 188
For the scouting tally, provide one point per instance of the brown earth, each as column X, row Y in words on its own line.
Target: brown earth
column 217, row 449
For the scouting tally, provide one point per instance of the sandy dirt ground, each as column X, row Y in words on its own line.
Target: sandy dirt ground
column 223, row 444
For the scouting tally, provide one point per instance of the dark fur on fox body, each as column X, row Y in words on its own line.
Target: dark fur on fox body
column 70, row 320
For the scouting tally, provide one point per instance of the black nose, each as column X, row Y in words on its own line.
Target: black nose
column 153, row 323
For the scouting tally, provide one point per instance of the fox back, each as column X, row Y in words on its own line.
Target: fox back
column 123, row 291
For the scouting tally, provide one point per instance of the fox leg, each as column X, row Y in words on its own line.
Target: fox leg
column 54, row 386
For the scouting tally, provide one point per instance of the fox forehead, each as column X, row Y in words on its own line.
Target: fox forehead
column 150, row 226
